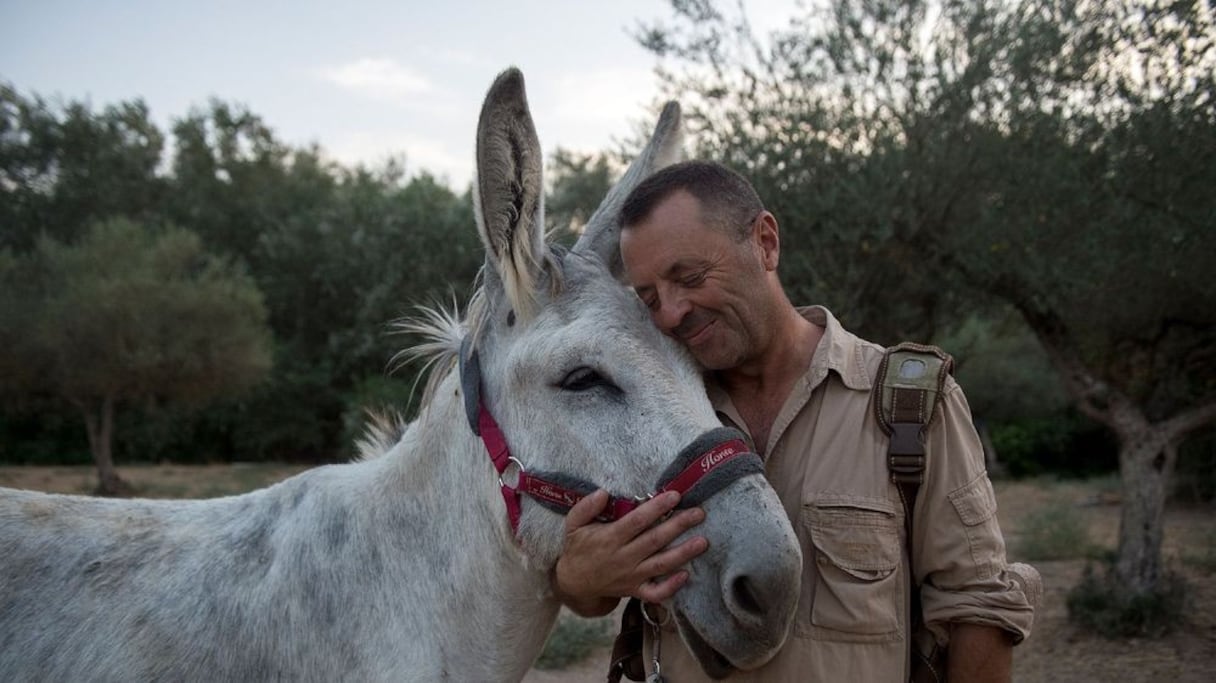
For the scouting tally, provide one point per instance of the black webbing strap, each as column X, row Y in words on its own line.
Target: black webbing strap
column 627, row 657
column 904, row 403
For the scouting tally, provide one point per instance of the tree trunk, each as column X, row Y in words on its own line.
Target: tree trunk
column 100, row 426
column 1146, row 461
column 1147, row 450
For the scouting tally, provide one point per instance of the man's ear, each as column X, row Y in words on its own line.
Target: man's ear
column 767, row 239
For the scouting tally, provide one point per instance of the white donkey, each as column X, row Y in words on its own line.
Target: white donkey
column 414, row 563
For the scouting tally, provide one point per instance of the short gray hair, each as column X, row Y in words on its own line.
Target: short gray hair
column 728, row 201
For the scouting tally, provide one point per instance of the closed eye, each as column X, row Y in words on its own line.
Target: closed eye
column 585, row 378
column 694, row 279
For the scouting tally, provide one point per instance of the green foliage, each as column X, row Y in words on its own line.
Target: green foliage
column 1003, row 368
column 924, row 158
column 1201, row 553
column 1063, row 443
column 378, row 395
column 128, row 315
column 928, row 160
column 336, row 253
column 1101, row 604
column 134, row 313
column 573, row 639
column 41, row 433
column 578, row 182
column 63, row 168
column 1195, row 474
column 1054, row 532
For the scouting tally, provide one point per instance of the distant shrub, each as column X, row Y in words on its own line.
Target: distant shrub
column 379, row 394
column 1099, row 604
column 1195, row 476
column 1054, row 532
column 1202, row 553
column 1064, row 444
column 573, row 639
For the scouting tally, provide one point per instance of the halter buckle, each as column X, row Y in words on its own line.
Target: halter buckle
column 650, row 620
column 519, row 474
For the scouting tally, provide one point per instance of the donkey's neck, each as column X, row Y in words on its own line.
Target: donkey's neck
column 486, row 597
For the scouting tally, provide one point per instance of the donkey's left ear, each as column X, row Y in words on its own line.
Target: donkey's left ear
column 602, row 234
column 509, row 196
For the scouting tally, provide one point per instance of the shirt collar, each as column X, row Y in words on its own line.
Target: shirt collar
column 838, row 350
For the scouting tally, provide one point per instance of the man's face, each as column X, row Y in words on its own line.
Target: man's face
column 702, row 287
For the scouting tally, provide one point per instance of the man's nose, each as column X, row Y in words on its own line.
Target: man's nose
column 672, row 309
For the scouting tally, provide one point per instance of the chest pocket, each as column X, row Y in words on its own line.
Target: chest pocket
column 859, row 584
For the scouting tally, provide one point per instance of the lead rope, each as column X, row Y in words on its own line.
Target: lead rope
column 656, row 673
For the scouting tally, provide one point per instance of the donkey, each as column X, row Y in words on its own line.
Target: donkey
column 422, row 561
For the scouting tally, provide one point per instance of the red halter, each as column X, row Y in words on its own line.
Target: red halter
column 562, row 498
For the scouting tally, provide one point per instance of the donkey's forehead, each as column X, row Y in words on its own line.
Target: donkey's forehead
column 588, row 287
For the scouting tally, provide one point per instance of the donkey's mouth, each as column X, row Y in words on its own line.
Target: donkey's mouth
column 715, row 664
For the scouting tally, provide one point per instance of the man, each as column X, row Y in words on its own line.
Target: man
column 702, row 253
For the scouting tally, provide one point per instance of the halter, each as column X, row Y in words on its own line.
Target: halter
column 707, row 465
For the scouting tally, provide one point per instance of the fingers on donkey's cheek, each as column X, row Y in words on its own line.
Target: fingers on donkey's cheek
column 668, row 500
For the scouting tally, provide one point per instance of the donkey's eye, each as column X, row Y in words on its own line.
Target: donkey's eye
column 584, row 378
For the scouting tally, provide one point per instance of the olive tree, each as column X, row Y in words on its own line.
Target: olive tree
column 128, row 315
column 1056, row 155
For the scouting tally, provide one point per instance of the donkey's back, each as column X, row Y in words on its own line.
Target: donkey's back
column 275, row 584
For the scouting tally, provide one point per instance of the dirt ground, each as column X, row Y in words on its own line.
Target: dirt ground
column 1057, row 650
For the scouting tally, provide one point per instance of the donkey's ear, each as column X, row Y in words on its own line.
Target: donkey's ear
column 509, row 197
column 602, row 235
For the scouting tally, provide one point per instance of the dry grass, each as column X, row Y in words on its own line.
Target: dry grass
column 153, row 481
column 1057, row 650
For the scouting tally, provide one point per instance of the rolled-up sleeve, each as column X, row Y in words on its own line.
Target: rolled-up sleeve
column 959, row 552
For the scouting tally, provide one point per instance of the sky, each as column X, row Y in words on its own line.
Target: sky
column 365, row 80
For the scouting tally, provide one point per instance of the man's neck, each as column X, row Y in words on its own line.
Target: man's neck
column 785, row 357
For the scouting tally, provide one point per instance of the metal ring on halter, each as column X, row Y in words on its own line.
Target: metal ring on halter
column 652, row 622
column 512, row 460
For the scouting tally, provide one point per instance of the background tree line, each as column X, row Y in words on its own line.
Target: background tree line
column 324, row 257
column 1027, row 183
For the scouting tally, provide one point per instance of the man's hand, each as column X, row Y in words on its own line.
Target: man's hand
column 601, row 563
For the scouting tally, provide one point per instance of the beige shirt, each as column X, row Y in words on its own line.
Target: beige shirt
column 827, row 462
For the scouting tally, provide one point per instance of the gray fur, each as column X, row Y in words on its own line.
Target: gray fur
column 400, row 566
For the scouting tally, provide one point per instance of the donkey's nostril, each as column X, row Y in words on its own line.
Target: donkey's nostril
column 746, row 598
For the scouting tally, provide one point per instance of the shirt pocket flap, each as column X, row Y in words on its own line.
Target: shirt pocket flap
column 975, row 502
column 855, row 534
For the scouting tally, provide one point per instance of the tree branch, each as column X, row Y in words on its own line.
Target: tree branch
column 1188, row 421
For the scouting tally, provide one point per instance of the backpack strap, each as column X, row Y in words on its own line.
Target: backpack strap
column 908, row 384
column 907, row 388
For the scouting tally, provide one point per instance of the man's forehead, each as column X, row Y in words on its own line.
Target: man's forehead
column 672, row 261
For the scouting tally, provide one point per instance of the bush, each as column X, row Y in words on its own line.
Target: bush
column 573, row 639
column 1202, row 554
column 1065, row 444
column 1054, row 532
column 43, row 435
column 1099, row 604
column 1195, row 476
column 378, row 394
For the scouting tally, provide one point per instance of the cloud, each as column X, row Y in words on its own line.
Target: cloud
column 589, row 110
column 609, row 95
column 422, row 153
column 378, row 78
